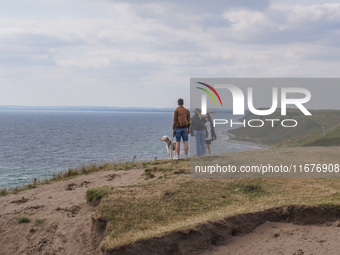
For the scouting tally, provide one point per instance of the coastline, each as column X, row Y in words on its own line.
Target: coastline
column 234, row 139
column 83, row 169
column 63, row 221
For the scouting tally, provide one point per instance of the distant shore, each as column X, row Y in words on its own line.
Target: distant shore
column 234, row 139
column 83, row 108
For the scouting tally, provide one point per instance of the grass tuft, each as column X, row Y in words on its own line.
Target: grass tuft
column 252, row 190
column 38, row 221
column 96, row 194
column 149, row 174
column 3, row 192
column 24, row 220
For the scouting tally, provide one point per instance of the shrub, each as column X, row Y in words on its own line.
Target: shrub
column 24, row 220
column 148, row 173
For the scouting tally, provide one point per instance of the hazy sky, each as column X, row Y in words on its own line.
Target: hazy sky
column 143, row 53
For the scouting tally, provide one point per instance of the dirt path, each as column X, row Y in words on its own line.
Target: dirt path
column 65, row 215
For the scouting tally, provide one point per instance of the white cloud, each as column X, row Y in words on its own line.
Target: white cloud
column 245, row 24
column 158, row 46
column 94, row 62
column 285, row 24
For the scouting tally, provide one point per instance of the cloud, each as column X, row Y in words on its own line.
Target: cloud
column 135, row 46
column 285, row 24
column 202, row 5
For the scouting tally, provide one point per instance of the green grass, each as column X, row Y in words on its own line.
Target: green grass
column 331, row 138
column 252, row 190
column 174, row 201
column 141, row 208
column 24, row 220
column 96, row 194
column 308, row 132
column 180, row 202
column 157, row 208
column 149, row 174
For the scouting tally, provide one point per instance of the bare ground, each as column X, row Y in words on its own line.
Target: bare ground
column 277, row 231
column 66, row 217
column 282, row 238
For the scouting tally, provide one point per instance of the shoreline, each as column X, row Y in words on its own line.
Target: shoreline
column 70, row 171
column 70, row 174
column 233, row 139
column 253, row 144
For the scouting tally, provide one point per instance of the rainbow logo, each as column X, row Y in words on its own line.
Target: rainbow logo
column 209, row 93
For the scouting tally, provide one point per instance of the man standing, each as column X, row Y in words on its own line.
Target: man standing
column 181, row 127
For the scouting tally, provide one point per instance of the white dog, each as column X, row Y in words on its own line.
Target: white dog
column 170, row 146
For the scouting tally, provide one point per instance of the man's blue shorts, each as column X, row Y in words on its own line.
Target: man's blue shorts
column 181, row 132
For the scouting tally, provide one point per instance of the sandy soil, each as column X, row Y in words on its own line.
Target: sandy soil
column 282, row 238
column 66, row 227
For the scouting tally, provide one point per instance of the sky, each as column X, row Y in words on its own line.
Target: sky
column 143, row 53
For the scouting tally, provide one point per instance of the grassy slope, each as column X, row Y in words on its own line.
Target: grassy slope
column 308, row 132
column 176, row 201
column 331, row 138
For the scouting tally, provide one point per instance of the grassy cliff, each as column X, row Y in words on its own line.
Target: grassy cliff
column 320, row 129
column 172, row 200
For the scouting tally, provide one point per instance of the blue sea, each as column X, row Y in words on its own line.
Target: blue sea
column 37, row 143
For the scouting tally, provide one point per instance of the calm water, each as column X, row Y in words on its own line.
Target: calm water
column 36, row 144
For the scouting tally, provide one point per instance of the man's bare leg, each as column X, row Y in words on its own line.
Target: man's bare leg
column 178, row 148
column 186, row 147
